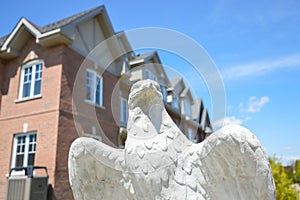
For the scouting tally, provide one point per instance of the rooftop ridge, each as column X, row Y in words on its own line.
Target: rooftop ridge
column 67, row 20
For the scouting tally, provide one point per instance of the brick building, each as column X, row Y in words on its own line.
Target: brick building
column 53, row 90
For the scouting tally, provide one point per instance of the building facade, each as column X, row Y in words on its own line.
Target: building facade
column 55, row 87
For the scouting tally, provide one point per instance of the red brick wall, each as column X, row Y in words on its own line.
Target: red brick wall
column 100, row 117
column 51, row 115
column 67, row 131
column 1, row 80
column 41, row 114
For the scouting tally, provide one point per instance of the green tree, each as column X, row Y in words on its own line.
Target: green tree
column 297, row 168
column 282, row 182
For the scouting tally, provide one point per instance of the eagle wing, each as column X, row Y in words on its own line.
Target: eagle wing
column 229, row 164
column 95, row 171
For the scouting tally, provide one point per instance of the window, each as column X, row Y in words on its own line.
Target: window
column 94, row 88
column 23, row 150
column 31, row 79
column 123, row 111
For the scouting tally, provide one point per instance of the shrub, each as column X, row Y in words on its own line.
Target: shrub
column 282, row 181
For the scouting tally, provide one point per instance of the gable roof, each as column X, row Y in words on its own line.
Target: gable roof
column 142, row 58
column 63, row 22
column 151, row 57
column 2, row 39
column 54, row 33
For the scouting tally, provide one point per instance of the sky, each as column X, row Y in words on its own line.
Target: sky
column 255, row 45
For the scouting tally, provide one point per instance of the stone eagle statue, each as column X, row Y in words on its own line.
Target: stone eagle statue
column 159, row 162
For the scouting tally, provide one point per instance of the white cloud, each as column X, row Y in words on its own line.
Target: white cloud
column 287, row 148
column 226, row 121
column 254, row 105
column 261, row 67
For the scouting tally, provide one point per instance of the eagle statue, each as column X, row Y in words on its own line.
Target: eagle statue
column 159, row 162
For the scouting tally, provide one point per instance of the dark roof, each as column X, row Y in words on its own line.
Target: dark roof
column 56, row 24
column 2, row 39
column 144, row 56
column 65, row 21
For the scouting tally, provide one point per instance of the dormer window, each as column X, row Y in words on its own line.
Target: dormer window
column 31, row 80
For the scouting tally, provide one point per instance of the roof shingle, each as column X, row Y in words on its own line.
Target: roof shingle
column 54, row 25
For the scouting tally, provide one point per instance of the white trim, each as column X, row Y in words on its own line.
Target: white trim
column 38, row 96
column 25, row 127
column 26, row 150
column 14, row 150
column 25, row 164
column 49, row 33
column 28, row 25
column 32, row 64
column 93, row 87
column 134, row 62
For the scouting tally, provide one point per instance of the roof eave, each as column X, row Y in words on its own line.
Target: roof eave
column 53, row 38
column 29, row 27
column 9, row 53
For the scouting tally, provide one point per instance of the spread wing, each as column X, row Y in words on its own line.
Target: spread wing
column 230, row 164
column 95, row 170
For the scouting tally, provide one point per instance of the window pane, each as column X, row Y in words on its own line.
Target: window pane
column 31, row 159
column 98, row 98
column 38, row 78
column 19, row 160
column 99, row 91
column 18, row 149
column 26, row 90
column 89, row 85
column 32, row 138
column 37, row 87
column 123, row 111
column 38, row 72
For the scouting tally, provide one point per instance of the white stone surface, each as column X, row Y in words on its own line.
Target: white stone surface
column 158, row 162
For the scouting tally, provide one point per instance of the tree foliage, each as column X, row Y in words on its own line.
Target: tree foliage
column 297, row 168
column 282, row 182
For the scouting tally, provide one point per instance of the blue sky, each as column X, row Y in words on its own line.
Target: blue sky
column 254, row 44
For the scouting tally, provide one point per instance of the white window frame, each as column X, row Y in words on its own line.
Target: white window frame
column 93, row 87
column 123, row 111
column 26, row 150
column 28, row 65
